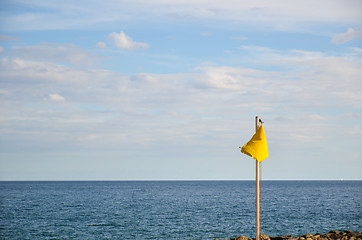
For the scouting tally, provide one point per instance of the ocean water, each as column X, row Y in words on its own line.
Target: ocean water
column 175, row 209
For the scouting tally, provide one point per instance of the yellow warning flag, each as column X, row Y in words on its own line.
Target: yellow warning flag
column 257, row 147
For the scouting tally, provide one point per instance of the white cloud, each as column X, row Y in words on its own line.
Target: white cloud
column 57, row 53
column 30, row 72
column 55, row 98
column 229, row 78
column 256, row 48
column 347, row 36
column 144, row 78
column 358, row 50
column 1, row 49
column 121, row 40
column 101, row 45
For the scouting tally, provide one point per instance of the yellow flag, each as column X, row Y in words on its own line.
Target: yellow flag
column 257, row 147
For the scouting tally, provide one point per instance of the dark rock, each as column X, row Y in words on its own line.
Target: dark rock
column 332, row 235
column 281, row 237
column 353, row 234
column 308, row 235
column 241, row 238
column 316, row 236
column 323, row 238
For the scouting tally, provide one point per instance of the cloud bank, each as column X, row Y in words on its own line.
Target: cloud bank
column 179, row 108
column 57, row 53
column 100, row 14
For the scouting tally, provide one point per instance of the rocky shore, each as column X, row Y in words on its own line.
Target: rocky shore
column 332, row 235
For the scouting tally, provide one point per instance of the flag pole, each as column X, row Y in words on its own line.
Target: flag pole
column 257, row 189
column 257, row 148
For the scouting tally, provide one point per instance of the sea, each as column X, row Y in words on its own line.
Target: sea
column 175, row 209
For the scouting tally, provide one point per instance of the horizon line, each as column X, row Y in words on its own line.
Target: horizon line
column 175, row 180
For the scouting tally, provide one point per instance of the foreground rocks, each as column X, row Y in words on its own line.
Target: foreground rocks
column 332, row 235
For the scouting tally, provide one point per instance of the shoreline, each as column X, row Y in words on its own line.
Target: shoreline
column 332, row 235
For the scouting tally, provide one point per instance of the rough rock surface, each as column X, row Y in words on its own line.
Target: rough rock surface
column 332, row 235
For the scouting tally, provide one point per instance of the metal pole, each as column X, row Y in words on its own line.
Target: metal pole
column 257, row 190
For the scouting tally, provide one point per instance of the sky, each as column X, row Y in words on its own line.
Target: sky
column 169, row 90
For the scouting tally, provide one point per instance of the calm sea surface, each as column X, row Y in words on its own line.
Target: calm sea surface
column 175, row 209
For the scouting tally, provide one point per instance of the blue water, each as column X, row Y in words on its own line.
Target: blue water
column 175, row 209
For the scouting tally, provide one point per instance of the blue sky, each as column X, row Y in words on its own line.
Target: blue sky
column 168, row 90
